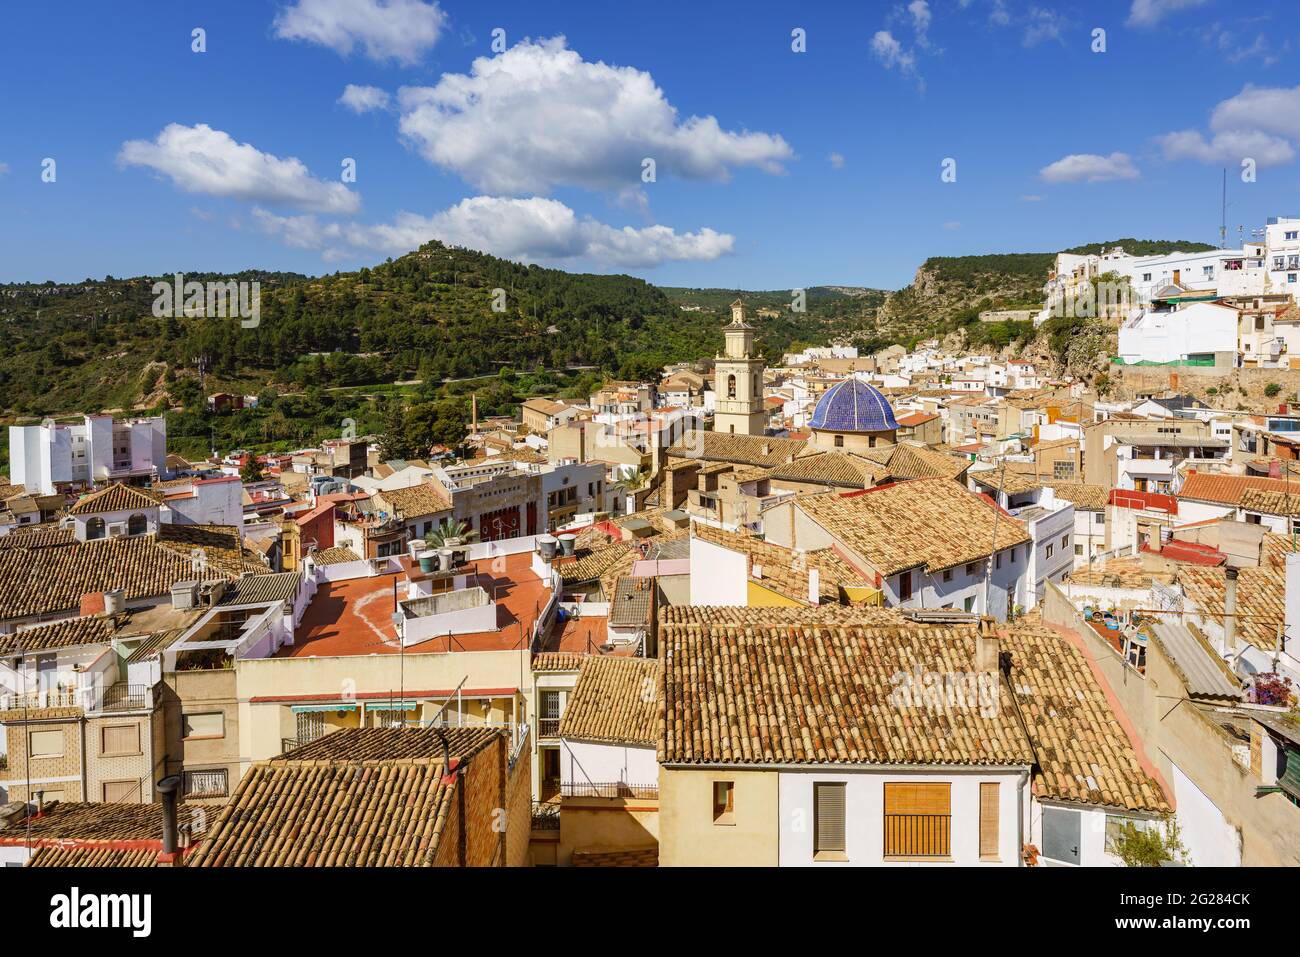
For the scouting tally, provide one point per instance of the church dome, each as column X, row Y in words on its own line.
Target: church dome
column 853, row 406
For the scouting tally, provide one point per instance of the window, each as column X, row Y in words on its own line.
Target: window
column 828, row 821
column 989, row 820
column 731, row 387
column 95, row 528
column 1013, row 556
column 969, row 603
column 905, row 586
column 1115, row 828
column 119, row 791
column 1078, row 549
column 724, row 806
column 1065, row 541
column 1292, row 234
column 208, row 724
column 45, row 744
column 839, row 441
column 997, row 562
column 137, row 525
column 119, row 739
column 918, row 820
column 947, row 574
column 972, row 568
column 206, row 784
column 1099, row 519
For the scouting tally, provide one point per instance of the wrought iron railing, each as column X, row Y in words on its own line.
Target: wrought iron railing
column 214, row 782
column 548, row 727
column 609, row 789
column 546, row 816
column 918, row 835
column 125, row 697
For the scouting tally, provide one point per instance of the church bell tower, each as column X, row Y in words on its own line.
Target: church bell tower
column 738, row 380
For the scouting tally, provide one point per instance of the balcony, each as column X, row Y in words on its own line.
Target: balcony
column 611, row 789
column 126, row 697
column 213, row 783
column 51, row 698
column 548, row 727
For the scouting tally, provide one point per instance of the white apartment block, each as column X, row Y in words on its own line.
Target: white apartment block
column 101, row 449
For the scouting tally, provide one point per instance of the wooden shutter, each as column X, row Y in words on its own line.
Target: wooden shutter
column 115, row 791
column 917, row 819
column 828, row 814
column 121, row 739
column 989, row 819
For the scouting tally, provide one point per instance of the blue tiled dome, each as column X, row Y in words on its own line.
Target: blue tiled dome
column 853, row 406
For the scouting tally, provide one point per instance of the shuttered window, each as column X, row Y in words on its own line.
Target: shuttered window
column 918, row 820
column 989, row 819
column 120, row 739
column 828, row 818
column 724, row 803
column 115, row 791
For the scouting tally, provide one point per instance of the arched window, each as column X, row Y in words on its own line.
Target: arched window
column 95, row 528
column 731, row 387
column 137, row 525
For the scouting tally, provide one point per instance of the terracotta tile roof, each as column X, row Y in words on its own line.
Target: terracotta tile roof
column 907, row 461
column 741, row 449
column 1082, row 751
column 931, row 523
column 1271, row 502
column 620, row 857
column 912, row 419
column 36, row 581
column 1226, row 489
column 824, row 694
column 1261, row 599
column 93, row 855
column 778, row 615
column 1119, row 573
column 385, row 744
column 415, row 501
column 783, row 570
column 98, row 821
column 337, row 555
column 616, row 700
column 386, row 813
column 69, row 633
column 1274, row 550
column 557, row 661
column 44, row 535
column 843, row 469
column 115, row 498
column 1009, row 481
column 591, row 563
column 1083, row 496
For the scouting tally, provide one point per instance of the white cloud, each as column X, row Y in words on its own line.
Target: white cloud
column 363, row 99
column 399, row 30
column 891, row 54
column 836, row 160
column 1261, row 123
column 1229, row 147
column 921, row 19
column 1031, row 198
column 199, row 159
column 1090, row 168
column 1262, row 108
column 1042, row 24
column 539, row 116
column 1147, row 13
column 534, row 229
column 952, row 225
column 4, row 168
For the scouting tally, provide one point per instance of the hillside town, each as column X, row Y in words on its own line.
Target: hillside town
column 915, row 607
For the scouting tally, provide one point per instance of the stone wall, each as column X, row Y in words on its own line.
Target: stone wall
column 1128, row 382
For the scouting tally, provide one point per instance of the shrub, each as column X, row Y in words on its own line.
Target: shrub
column 1272, row 389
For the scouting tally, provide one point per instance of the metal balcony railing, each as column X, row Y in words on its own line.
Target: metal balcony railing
column 548, row 727
column 546, row 816
column 609, row 789
column 214, row 782
column 125, row 697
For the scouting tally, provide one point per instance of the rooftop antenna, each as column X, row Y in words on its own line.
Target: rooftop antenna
column 1223, row 213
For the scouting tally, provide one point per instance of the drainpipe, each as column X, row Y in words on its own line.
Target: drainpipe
column 1230, row 611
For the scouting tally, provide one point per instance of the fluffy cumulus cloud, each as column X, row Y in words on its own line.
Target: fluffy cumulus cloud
column 1090, row 168
column 401, row 31
column 1259, row 123
column 886, row 48
column 539, row 116
column 199, row 159
column 533, row 229
column 1147, row 13
column 363, row 99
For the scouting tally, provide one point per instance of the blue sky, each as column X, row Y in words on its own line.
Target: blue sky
column 773, row 168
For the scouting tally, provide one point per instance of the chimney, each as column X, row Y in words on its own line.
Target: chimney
column 987, row 646
column 40, row 803
column 1230, row 610
column 814, row 585
column 168, row 787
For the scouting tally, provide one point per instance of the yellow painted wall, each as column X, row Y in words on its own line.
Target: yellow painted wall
column 688, row 836
column 759, row 596
column 606, row 823
column 263, row 725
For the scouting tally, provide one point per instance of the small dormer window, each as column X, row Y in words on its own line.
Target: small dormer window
column 95, row 528
column 137, row 524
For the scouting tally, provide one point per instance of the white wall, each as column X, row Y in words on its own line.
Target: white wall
column 1208, row 837
column 592, row 762
column 865, row 809
column 719, row 576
